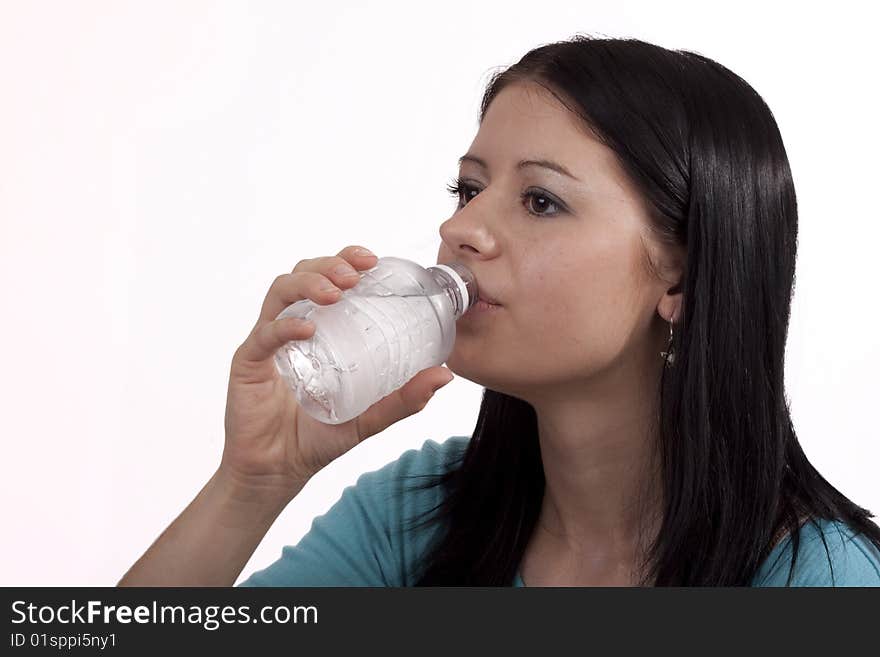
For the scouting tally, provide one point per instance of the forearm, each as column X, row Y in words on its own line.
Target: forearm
column 210, row 542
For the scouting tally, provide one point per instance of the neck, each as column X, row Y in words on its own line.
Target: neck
column 603, row 491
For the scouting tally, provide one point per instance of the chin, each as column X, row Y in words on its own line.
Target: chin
column 470, row 368
column 479, row 371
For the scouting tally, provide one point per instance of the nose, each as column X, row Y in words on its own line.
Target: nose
column 468, row 234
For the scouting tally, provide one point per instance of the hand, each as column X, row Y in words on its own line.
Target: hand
column 272, row 445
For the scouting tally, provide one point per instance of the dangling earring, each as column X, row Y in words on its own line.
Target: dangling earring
column 669, row 354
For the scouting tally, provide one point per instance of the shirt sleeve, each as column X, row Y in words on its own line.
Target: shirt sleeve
column 851, row 559
column 361, row 540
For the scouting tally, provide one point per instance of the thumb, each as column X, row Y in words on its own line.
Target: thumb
column 407, row 400
column 439, row 377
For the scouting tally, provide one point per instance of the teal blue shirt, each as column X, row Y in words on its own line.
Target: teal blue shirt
column 361, row 540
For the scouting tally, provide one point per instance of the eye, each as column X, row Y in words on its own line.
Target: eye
column 540, row 194
column 458, row 188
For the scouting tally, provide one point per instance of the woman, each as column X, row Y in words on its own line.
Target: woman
column 630, row 209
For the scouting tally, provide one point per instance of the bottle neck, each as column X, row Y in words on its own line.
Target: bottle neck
column 459, row 283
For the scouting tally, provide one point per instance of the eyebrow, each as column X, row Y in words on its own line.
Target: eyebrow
column 546, row 164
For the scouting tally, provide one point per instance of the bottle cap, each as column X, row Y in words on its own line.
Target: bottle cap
column 466, row 282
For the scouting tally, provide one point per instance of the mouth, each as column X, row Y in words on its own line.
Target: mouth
column 483, row 307
column 483, row 298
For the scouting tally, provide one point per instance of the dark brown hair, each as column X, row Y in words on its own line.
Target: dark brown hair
column 705, row 150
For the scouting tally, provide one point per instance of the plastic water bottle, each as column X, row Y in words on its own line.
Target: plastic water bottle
column 398, row 320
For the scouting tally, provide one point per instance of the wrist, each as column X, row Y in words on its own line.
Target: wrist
column 266, row 494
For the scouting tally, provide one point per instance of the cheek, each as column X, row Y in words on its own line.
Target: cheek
column 561, row 299
column 571, row 315
column 580, row 314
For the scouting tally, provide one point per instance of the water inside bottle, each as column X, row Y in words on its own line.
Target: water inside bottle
column 379, row 342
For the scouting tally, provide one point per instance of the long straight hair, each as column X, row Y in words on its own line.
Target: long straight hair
column 705, row 150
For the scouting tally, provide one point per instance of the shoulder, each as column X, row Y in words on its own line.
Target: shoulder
column 399, row 492
column 367, row 538
column 830, row 553
column 432, row 458
column 404, row 490
column 412, row 468
column 398, row 501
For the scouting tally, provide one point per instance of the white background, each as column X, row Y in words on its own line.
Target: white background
column 162, row 162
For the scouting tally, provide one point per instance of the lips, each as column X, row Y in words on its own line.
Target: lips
column 483, row 294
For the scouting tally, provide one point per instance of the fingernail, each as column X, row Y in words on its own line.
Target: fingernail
column 441, row 385
column 363, row 252
column 344, row 270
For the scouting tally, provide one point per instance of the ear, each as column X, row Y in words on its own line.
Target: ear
column 671, row 271
column 669, row 306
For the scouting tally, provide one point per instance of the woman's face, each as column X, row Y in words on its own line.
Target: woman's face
column 566, row 262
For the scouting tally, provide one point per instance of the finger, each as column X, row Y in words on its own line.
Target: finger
column 340, row 270
column 290, row 288
column 403, row 402
column 265, row 340
column 358, row 257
